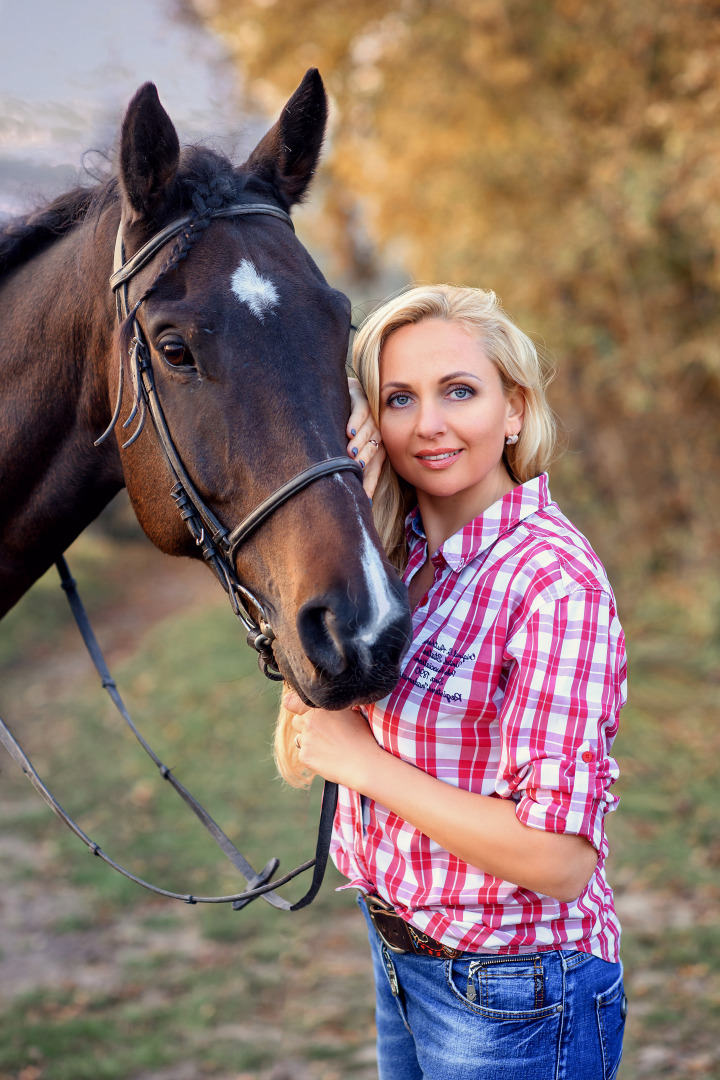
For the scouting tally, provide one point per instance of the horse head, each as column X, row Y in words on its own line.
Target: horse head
column 246, row 343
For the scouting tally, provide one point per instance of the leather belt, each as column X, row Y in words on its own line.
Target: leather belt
column 399, row 936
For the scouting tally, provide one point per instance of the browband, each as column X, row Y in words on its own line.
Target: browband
column 146, row 252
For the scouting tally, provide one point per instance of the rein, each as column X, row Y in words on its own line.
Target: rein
column 258, row 882
column 219, row 548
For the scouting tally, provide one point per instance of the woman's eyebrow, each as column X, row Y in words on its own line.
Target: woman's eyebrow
column 444, row 379
column 459, row 375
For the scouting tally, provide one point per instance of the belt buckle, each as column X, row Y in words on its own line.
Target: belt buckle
column 391, row 927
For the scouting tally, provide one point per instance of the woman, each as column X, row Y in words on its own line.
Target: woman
column 471, row 812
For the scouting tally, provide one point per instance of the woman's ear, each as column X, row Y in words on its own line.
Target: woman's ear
column 515, row 411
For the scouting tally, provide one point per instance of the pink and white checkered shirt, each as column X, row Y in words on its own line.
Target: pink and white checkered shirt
column 511, row 687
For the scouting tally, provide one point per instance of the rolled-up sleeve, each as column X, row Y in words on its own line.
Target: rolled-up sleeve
column 566, row 678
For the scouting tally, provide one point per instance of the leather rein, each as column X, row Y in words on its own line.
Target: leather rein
column 219, row 548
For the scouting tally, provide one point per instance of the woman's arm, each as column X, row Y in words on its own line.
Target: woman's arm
column 482, row 830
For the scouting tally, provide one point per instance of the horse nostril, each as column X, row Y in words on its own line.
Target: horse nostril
column 323, row 646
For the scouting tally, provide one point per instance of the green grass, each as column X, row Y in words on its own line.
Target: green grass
column 195, row 691
column 665, row 851
column 259, row 987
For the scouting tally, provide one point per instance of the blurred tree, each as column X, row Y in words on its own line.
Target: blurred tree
column 565, row 153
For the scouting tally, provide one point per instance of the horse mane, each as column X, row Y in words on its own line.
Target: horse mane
column 23, row 237
column 205, row 179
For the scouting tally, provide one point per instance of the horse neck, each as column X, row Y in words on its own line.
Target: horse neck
column 56, row 347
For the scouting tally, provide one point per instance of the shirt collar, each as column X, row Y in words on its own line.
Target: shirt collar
column 481, row 533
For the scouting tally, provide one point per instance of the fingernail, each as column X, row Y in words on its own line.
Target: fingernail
column 355, row 451
column 362, row 464
column 353, row 431
column 370, row 499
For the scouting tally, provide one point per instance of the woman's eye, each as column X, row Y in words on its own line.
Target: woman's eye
column 460, row 393
column 176, row 354
column 399, row 400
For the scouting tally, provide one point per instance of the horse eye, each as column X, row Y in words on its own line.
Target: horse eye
column 176, row 354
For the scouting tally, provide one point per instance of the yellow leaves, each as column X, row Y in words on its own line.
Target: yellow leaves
column 565, row 153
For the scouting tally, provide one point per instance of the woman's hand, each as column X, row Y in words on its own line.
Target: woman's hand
column 339, row 746
column 364, row 443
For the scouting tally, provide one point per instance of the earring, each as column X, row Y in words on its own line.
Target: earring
column 512, row 439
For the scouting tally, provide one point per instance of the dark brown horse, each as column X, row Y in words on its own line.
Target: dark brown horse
column 246, row 347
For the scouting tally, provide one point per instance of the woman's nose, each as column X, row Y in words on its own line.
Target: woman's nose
column 430, row 420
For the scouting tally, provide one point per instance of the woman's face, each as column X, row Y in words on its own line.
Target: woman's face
column 444, row 415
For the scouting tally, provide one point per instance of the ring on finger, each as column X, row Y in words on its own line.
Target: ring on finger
column 373, row 442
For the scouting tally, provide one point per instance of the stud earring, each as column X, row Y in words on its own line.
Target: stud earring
column 511, row 440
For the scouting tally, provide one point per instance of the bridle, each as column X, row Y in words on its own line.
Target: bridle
column 218, row 544
column 219, row 547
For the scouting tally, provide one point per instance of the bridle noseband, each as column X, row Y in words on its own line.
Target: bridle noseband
column 218, row 544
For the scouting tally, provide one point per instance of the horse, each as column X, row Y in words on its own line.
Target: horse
column 226, row 333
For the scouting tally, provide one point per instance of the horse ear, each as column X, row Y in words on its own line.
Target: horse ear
column 149, row 152
column 288, row 154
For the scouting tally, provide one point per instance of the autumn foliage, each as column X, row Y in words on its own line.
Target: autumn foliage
column 567, row 155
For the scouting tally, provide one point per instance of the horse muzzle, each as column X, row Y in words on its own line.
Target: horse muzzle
column 352, row 652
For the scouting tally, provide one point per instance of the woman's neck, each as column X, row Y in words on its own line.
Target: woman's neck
column 442, row 516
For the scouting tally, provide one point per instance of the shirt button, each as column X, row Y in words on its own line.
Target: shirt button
column 588, row 756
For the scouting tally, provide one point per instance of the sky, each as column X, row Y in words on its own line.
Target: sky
column 68, row 69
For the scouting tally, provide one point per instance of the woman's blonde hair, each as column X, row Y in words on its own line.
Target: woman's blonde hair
column 521, row 370
column 510, row 350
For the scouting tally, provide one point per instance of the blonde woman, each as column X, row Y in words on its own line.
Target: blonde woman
column 472, row 802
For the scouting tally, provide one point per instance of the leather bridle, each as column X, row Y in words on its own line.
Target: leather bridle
column 219, row 545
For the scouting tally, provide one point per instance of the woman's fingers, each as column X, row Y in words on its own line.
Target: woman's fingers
column 362, row 432
column 293, row 702
column 334, row 744
column 371, row 473
column 364, row 445
column 359, row 408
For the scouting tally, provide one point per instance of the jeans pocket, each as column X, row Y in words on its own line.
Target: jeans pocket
column 611, row 1010
column 501, row 987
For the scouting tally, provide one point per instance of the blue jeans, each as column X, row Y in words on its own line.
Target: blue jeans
column 544, row 1016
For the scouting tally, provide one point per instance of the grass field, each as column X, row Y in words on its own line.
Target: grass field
column 100, row 981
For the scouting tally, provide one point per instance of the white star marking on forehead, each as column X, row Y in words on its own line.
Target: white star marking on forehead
column 252, row 289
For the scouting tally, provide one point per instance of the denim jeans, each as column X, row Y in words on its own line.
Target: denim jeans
column 544, row 1016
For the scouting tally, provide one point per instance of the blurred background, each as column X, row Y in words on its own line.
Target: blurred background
column 565, row 154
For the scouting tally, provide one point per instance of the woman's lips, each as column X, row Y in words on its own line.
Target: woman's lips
column 442, row 458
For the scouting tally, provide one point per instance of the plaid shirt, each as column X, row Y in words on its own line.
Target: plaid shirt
column 511, row 687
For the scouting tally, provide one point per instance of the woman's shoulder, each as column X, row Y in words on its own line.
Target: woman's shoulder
column 549, row 559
